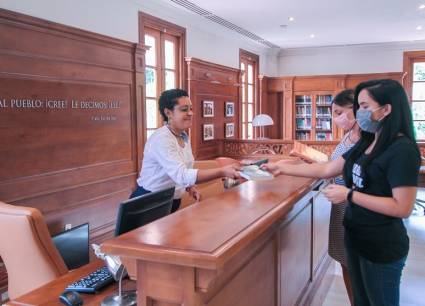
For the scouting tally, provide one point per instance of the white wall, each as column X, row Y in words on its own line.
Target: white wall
column 119, row 18
column 113, row 18
column 212, row 42
column 345, row 59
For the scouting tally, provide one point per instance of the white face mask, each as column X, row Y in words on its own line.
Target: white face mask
column 343, row 122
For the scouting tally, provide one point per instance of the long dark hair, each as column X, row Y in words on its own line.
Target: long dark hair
column 398, row 121
column 345, row 98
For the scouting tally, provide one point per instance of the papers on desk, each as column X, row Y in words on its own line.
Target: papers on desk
column 254, row 173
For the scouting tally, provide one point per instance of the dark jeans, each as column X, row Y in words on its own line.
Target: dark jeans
column 374, row 284
column 141, row 191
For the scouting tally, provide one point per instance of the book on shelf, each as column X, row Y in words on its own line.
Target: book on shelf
column 303, row 99
column 323, row 111
column 303, row 110
column 302, row 136
column 324, row 99
column 303, row 123
column 307, row 153
column 323, row 123
column 322, row 136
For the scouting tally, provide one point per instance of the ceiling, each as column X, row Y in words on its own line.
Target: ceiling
column 332, row 22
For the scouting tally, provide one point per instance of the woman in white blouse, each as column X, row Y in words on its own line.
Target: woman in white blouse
column 168, row 159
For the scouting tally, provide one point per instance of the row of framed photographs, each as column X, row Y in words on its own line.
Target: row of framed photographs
column 208, row 133
column 208, row 109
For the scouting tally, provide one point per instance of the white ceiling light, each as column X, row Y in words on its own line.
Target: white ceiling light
column 419, row 28
column 291, row 18
column 422, row 6
column 312, row 36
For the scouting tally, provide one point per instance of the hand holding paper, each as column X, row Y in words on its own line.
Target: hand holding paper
column 253, row 172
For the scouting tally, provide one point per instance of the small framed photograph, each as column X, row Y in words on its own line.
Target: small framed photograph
column 230, row 109
column 230, row 130
column 208, row 108
column 208, row 131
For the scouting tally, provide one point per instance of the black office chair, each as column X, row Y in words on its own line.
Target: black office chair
column 144, row 209
column 140, row 211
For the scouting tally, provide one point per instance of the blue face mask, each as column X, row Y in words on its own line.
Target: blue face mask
column 365, row 121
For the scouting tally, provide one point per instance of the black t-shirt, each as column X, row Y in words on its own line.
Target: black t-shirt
column 375, row 236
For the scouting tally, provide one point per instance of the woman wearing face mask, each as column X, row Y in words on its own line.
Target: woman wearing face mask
column 168, row 159
column 381, row 175
column 343, row 110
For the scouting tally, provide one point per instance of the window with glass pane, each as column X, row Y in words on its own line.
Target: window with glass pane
column 151, row 53
column 169, row 55
column 161, row 73
column 151, row 80
column 418, row 99
column 249, row 75
column 151, row 114
column 170, row 79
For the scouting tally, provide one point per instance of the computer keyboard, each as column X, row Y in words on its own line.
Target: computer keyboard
column 92, row 282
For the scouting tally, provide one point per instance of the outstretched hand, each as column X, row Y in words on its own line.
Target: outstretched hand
column 194, row 193
column 231, row 171
column 273, row 168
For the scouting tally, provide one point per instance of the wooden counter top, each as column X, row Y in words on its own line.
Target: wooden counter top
column 48, row 294
column 208, row 234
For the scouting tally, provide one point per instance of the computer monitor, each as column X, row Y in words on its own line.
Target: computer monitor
column 73, row 245
column 142, row 210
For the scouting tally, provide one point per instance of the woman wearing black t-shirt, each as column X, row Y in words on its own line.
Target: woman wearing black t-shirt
column 381, row 173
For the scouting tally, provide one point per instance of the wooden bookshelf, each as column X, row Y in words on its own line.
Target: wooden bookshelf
column 313, row 116
column 323, row 113
column 278, row 100
column 303, row 116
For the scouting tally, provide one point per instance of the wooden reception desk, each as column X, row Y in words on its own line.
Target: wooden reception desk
column 259, row 244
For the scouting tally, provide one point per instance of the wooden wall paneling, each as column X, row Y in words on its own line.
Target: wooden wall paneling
column 139, row 106
column 274, row 109
column 316, row 83
column 408, row 59
column 319, row 83
column 295, row 250
column 210, row 82
column 340, row 85
column 353, row 80
column 259, row 274
column 288, row 110
column 271, row 103
column 321, row 215
column 262, row 94
column 71, row 121
column 276, row 84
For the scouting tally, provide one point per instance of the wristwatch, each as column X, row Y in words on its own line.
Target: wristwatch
column 350, row 195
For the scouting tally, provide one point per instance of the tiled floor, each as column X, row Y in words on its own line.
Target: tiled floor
column 413, row 279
